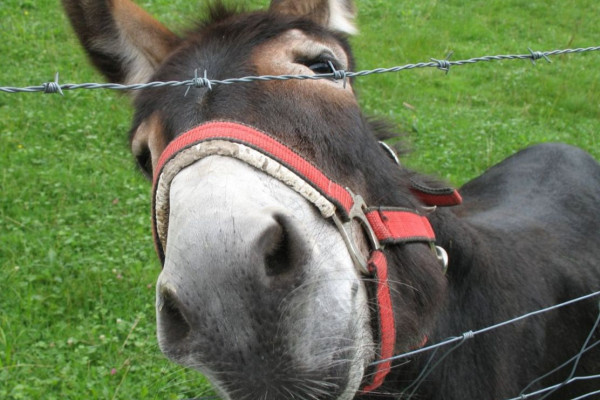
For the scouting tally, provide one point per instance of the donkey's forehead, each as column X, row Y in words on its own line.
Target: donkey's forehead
column 299, row 43
column 296, row 44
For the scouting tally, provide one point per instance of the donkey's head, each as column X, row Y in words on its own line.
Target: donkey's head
column 259, row 291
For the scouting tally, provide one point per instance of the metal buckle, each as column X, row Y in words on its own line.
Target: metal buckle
column 357, row 212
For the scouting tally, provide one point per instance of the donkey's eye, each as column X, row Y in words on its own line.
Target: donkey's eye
column 321, row 67
column 324, row 63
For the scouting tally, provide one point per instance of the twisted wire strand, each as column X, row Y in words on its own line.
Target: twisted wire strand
column 445, row 65
column 575, row 359
column 563, row 365
column 522, row 396
column 471, row 334
column 558, row 385
column 585, row 396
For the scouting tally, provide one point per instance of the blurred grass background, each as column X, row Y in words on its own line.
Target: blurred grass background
column 77, row 266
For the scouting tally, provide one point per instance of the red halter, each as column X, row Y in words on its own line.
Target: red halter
column 383, row 225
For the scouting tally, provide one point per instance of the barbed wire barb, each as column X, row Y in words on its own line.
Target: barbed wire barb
column 444, row 64
column 53, row 87
column 338, row 74
column 199, row 82
column 536, row 55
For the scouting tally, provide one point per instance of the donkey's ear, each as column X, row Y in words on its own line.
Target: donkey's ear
column 337, row 15
column 123, row 41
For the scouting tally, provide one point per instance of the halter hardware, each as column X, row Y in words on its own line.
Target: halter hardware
column 442, row 256
column 357, row 213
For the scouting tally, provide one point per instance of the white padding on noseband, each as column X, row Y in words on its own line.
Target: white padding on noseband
column 241, row 152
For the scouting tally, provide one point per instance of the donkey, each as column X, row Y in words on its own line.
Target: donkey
column 298, row 257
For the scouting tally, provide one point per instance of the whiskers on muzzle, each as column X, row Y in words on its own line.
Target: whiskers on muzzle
column 288, row 387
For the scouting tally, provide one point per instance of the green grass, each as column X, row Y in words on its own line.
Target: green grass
column 76, row 256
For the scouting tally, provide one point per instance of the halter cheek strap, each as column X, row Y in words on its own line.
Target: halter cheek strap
column 382, row 225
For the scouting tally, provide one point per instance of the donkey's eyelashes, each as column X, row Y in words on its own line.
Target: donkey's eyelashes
column 320, row 68
column 322, row 64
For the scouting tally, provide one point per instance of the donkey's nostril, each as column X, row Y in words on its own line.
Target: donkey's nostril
column 171, row 314
column 278, row 259
column 282, row 254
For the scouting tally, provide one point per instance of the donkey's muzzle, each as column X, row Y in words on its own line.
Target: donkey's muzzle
column 256, row 285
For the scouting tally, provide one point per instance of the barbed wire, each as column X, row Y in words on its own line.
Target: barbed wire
column 204, row 82
column 458, row 341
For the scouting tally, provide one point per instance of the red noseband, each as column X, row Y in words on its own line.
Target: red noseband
column 383, row 225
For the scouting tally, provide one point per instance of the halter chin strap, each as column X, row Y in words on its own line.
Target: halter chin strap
column 382, row 225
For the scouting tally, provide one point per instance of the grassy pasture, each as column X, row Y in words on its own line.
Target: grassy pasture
column 77, row 266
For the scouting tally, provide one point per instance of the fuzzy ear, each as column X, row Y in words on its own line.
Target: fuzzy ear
column 337, row 15
column 123, row 41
